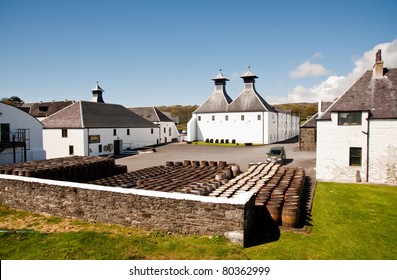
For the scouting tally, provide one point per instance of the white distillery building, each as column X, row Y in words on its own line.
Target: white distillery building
column 21, row 136
column 356, row 135
column 96, row 129
column 247, row 119
column 168, row 131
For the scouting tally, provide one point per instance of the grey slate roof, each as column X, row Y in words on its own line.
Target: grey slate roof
column 378, row 96
column 216, row 103
column 248, row 101
column 36, row 108
column 312, row 122
column 86, row 114
column 219, row 100
column 151, row 114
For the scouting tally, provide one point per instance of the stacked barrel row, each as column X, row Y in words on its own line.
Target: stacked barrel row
column 276, row 187
column 283, row 196
column 74, row 169
column 252, row 180
column 193, row 177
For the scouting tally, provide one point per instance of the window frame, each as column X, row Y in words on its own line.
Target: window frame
column 352, row 118
column 64, row 133
column 354, row 157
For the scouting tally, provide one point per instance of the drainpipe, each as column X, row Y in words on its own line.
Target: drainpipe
column 367, row 155
column 88, row 141
column 14, row 149
column 263, row 128
column 367, row 173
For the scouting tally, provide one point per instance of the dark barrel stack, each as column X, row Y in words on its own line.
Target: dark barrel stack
column 192, row 177
column 277, row 188
column 73, row 169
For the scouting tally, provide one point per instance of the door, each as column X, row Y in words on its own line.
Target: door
column 117, row 147
column 5, row 132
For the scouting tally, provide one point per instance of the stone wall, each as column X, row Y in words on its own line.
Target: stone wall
column 308, row 139
column 149, row 210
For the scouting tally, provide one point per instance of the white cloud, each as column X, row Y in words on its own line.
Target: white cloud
column 308, row 69
column 335, row 86
column 316, row 55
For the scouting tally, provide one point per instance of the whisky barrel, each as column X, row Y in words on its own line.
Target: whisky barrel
column 290, row 216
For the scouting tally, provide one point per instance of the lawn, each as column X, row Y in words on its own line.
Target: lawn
column 203, row 143
column 348, row 221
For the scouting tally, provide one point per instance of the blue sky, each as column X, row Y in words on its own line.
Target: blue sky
column 150, row 53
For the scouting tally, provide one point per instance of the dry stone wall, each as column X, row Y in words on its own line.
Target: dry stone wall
column 181, row 214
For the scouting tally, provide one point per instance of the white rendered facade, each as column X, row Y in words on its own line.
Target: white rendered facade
column 66, row 142
column 247, row 119
column 356, row 135
column 376, row 138
column 25, row 128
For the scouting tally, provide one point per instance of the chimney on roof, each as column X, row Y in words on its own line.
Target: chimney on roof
column 97, row 94
column 249, row 80
column 220, row 83
column 377, row 71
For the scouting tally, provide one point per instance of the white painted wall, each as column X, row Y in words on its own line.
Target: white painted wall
column 215, row 126
column 269, row 128
column 168, row 131
column 383, row 151
column 57, row 146
column 333, row 146
column 19, row 119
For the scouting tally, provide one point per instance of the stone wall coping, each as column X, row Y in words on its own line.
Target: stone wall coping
column 241, row 199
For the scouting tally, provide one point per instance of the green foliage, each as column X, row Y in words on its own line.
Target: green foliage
column 305, row 110
column 349, row 221
column 13, row 101
column 184, row 112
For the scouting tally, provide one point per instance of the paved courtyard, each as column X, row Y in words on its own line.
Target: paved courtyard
column 241, row 155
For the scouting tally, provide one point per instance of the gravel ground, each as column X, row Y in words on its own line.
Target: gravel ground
column 241, row 155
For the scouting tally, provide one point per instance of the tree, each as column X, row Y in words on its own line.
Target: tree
column 13, row 101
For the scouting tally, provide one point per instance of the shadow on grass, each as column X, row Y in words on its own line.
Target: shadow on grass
column 264, row 230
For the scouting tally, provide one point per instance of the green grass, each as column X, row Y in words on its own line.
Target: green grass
column 349, row 221
column 203, row 143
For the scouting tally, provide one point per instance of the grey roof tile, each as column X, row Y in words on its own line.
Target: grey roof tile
column 376, row 95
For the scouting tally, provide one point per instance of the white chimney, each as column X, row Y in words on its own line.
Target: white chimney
column 319, row 108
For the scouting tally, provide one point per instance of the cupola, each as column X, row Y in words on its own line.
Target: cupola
column 97, row 92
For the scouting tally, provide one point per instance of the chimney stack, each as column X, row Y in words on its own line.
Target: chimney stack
column 378, row 67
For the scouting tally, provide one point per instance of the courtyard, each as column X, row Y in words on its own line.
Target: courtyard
column 241, row 155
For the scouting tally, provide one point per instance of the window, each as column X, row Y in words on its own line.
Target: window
column 355, row 156
column 199, row 118
column 100, row 148
column 128, row 131
column 213, row 118
column 242, row 117
column 259, row 117
column 151, row 131
column 71, row 150
column 64, row 133
column 114, row 132
column 169, row 131
column 349, row 118
column 165, row 130
column 226, row 118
